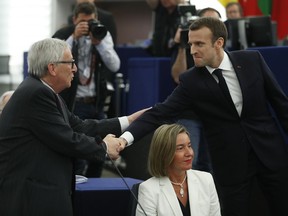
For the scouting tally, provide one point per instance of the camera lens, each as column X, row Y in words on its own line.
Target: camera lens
column 98, row 30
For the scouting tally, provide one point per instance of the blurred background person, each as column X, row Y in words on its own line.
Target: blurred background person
column 93, row 49
column 105, row 17
column 234, row 10
column 166, row 22
column 175, row 189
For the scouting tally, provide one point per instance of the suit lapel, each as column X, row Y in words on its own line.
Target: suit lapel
column 243, row 82
column 193, row 193
column 170, row 195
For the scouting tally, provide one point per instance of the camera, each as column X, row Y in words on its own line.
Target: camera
column 98, row 30
column 187, row 16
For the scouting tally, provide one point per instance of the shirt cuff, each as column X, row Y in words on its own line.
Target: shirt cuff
column 128, row 137
column 105, row 146
column 124, row 123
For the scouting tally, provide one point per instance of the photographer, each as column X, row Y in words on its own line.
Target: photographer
column 166, row 20
column 93, row 50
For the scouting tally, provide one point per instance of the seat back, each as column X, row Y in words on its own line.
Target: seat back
column 133, row 200
column 4, row 64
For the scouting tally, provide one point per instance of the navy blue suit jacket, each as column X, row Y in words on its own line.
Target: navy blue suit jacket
column 230, row 137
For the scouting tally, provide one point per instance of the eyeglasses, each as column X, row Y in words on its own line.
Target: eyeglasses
column 66, row 62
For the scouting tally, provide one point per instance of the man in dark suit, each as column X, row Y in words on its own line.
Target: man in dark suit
column 244, row 140
column 39, row 137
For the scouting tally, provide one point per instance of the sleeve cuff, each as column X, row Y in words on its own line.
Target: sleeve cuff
column 124, row 123
column 128, row 137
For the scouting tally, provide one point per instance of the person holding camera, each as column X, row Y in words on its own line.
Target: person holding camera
column 93, row 49
column 166, row 21
column 104, row 16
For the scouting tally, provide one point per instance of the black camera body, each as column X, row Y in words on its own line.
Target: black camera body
column 187, row 16
column 98, row 30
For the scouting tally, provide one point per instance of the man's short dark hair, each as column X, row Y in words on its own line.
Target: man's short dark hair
column 85, row 8
column 216, row 26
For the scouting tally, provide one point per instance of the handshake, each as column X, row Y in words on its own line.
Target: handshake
column 114, row 145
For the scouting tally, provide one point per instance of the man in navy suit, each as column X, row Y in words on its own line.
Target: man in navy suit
column 244, row 140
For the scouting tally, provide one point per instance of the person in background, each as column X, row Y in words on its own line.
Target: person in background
column 94, row 54
column 234, row 10
column 182, row 60
column 40, row 137
column 166, row 21
column 175, row 189
column 237, row 98
column 5, row 97
column 105, row 17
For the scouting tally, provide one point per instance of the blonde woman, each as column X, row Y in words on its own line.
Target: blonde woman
column 175, row 189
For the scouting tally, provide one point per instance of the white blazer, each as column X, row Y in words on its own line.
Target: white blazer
column 157, row 196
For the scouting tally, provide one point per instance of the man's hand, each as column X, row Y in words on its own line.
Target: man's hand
column 81, row 29
column 114, row 146
column 94, row 41
column 135, row 115
column 123, row 142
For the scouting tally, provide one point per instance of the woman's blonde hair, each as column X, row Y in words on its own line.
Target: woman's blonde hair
column 162, row 148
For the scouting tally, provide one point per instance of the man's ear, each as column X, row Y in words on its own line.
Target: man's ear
column 220, row 42
column 51, row 69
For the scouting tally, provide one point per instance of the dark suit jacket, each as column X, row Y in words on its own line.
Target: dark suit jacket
column 230, row 137
column 37, row 147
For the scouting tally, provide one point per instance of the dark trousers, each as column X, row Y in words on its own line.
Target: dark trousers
column 85, row 110
column 236, row 199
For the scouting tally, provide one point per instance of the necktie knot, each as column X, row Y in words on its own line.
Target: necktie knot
column 218, row 73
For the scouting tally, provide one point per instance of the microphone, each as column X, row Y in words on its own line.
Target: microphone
column 120, row 174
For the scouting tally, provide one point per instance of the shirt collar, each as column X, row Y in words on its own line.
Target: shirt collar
column 47, row 85
column 224, row 65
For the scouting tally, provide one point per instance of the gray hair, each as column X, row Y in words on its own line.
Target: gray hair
column 44, row 52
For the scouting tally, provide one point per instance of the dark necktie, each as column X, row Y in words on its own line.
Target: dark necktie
column 222, row 84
